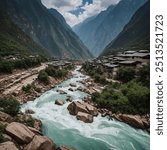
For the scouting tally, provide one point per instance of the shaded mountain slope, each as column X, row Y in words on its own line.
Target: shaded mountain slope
column 135, row 35
column 45, row 29
column 99, row 32
column 14, row 41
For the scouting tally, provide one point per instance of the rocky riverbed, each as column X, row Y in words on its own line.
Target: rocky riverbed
column 54, row 109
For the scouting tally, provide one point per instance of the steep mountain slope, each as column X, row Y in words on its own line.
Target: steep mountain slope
column 44, row 28
column 99, row 32
column 14, row 41
column 135, row 35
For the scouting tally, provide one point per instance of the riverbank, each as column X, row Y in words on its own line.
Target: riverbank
column 31, row 136
column 134, row 120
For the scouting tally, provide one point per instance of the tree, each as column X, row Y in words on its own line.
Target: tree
column 125, row 74
column 10, row 106
column 43, row 77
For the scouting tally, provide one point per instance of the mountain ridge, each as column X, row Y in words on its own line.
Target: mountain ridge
column 107, row 25
column 135, row 35
column 38, row 23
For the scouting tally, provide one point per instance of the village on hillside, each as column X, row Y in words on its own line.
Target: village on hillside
column 111, row 63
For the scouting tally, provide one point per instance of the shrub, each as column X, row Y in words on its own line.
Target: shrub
column 43, row 77
column 50, row 70
column 6, row 67
column 10, row 106
column 125, row 74
column 144, row 74
column 2, row 130
column 131, row 97
column 27, row 88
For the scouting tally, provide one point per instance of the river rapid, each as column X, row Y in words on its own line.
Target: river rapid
column 64, row 129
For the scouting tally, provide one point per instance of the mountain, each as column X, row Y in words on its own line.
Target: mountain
column 100, row 31
column 135, row 35
column 14, row 41
column 45, row 29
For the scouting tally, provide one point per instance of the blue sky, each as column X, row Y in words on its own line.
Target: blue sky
column 76, row 11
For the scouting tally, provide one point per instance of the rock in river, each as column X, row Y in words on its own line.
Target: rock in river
column 87, row 118
column 59, row 102
column 73, row 84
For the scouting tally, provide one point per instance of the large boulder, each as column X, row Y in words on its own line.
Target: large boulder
column 8, row 146
column 87, row 118
column 59, row 102
column 92, row 110
column 76, row 107
column 133, row 120
column 40, row 143
column 5, row 117
column 19, row 132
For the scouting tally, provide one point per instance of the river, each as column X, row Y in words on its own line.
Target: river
column 64, row 129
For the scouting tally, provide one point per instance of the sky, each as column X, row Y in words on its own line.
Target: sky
column 76, row 11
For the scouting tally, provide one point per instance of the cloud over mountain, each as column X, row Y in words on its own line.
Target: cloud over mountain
column 76, row 11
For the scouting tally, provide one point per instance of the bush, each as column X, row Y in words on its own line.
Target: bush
column 139, row 96
column 144, row 75
column 6, row 67
column 10, row 106
column 95, row 73
column 125, row 74
column 2, row 130
column 27, row 88
column 50, row 70
column 43, row 77
column 131, row 98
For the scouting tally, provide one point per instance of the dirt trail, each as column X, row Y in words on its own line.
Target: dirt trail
column 15, row 82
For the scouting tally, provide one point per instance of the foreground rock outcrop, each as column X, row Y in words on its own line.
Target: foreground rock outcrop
column 26, row 138
column 40, row 143
column 19, row 132
column 83, row 111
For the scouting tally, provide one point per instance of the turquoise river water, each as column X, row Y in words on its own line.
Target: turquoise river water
column 64, row 129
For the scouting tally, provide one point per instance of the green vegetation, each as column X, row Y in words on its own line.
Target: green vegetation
column 29, row 121
column 95, row 73
column 125, row 74
column 10, row 105
column 7, row 66
column 56, row 73
column 43, row 77
column 132, row 96
column 2, row 131
column 144, row 75
column 27, row 88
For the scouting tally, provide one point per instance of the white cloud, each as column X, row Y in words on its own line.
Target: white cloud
column 66, row 6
